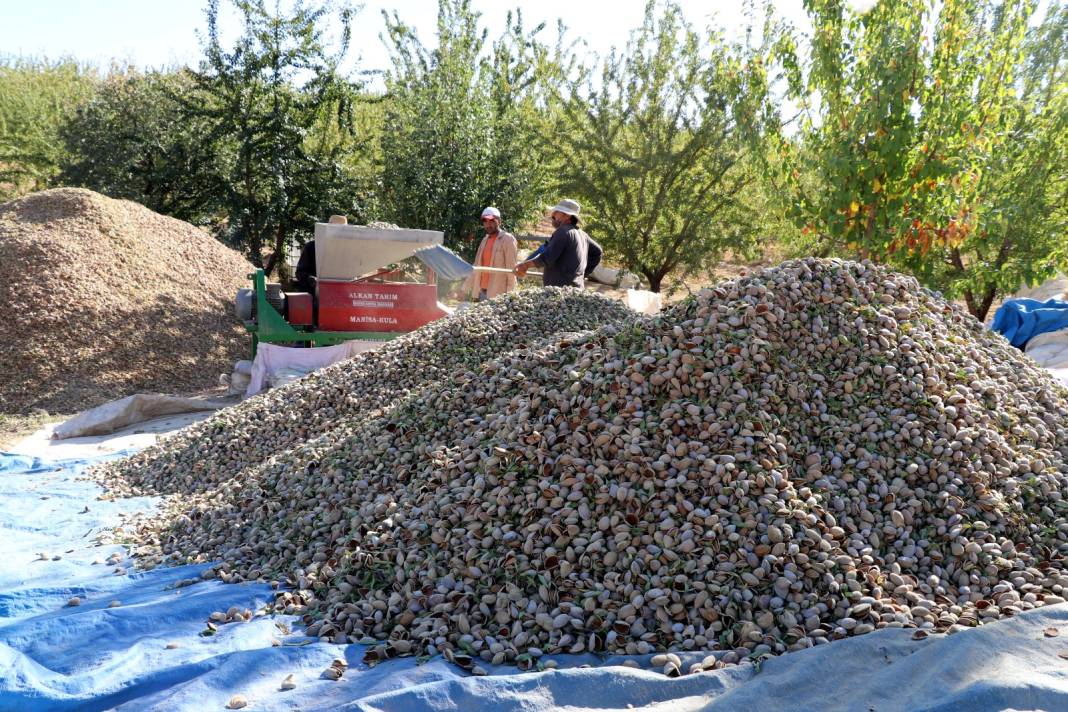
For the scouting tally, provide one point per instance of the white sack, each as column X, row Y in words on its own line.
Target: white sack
column 271, row 358
column 1049, row 350
column 645, row 302
column 614, row 277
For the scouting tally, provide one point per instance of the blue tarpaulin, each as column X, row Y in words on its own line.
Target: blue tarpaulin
column 447, row 264
column 1020, row 320
column 146, row 651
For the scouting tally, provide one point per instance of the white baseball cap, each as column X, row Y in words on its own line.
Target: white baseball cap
column 491, row 213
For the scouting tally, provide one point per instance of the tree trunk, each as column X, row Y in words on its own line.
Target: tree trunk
column 252, row 232
column 969, row 300
column 276, row 254
column 255, row 245
column 979, row 306
column 984, row 304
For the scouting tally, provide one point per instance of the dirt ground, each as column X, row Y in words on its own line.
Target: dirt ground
column 14, row 428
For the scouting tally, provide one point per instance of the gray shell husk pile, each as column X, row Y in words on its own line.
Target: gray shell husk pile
column 815, row 451
column 105, row 298
column 232, row 446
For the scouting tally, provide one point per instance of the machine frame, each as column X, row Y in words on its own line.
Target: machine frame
column 270, row 327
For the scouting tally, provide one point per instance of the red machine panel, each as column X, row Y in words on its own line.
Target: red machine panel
column 366, row 306
column 299, row 308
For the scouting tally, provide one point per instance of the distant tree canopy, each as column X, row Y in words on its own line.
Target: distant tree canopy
column 655, row 149
column 260, row 101
column 37, row 99
column 132, row 141
column 942, row 154
column 255, row 142
column 931, row 136
column 464, row 123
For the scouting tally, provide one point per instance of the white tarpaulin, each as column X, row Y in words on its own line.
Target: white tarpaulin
column 1049, row 350
column 272, row 358
column 118, row 414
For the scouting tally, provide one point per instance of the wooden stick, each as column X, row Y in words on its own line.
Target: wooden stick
column 502, row 270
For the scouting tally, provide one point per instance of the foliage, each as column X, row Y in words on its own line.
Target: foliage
column 933, row 135
column 270, row 104
column 463, row 125
column 36, row 99
column 919, row 144
column 130, row 141
column 1022, row 234
column 656, row 150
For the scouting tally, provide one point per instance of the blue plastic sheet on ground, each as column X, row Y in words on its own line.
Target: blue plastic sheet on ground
column 147, row 652
column 1020, row 320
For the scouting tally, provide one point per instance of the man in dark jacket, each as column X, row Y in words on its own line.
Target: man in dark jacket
column 568, row 251
column 593, row 257
column 304, row 279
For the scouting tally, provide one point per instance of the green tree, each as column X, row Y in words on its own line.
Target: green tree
column 269, row 102
column 928, row 147
column 36, row 99
column 130, row 141
column 1020, row 209
column 464, row 124
column 656, row 149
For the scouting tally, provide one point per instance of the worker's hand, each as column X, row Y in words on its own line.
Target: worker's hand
column 521, row 268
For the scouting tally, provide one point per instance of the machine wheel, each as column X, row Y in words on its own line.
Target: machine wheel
column 275, row 297
column 245, row 305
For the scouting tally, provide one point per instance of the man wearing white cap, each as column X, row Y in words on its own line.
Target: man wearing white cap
column 568, row 251
column 498, row 249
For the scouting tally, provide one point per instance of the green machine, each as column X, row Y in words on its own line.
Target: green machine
column 260, row 310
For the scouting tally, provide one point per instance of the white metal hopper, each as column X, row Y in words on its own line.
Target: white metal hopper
column 347, row 252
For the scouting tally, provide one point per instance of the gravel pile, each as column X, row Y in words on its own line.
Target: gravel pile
column 104, row 298
column 814, row 451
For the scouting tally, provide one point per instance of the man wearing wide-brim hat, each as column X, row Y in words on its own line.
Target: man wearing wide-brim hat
column 568, row 252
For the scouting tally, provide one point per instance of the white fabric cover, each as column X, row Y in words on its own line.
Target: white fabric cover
column 1050, row 350
column 117, row 414
column 271, row 358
